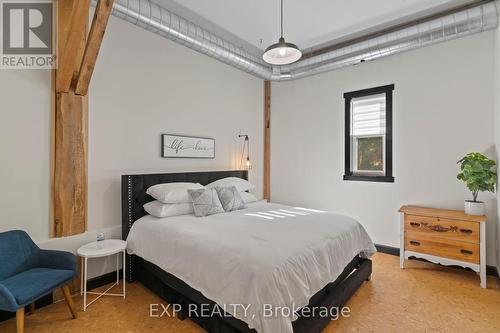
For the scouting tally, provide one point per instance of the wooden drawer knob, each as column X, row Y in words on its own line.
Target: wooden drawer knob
column 465, row 251
column 415, row 243
column 415, row 224
column 466, row 231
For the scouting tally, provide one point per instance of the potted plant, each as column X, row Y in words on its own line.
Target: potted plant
column 479, row 174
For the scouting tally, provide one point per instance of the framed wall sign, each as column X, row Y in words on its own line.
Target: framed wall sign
column 180, row 146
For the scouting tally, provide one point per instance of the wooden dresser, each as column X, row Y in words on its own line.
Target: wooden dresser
column 446, row 237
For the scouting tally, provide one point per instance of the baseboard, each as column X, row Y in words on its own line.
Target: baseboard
column 387, row 249
column 490, row 270
column 48, row 299
column 102, row 280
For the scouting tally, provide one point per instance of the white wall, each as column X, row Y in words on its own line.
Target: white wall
column 143, row 85
column 443, row 109
column 25, row 149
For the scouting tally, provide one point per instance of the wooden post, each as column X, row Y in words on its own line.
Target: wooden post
column 267, row 140
column 77, row 56
column 70, row 178
column 69, row 169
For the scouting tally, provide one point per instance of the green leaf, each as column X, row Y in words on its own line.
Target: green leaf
column 478, row 173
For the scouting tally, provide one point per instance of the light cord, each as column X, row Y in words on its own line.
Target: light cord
column 246, row 144
column 281, row 18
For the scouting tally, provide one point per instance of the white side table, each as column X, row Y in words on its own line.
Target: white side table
column 101, row 249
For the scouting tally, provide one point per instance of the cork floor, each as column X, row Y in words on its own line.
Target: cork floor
column 422, row 298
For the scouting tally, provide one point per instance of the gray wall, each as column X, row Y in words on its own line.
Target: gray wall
column 443, row 109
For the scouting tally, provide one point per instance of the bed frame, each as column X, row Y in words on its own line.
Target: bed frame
column 176, row 291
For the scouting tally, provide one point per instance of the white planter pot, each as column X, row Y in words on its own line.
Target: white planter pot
column 474, row 208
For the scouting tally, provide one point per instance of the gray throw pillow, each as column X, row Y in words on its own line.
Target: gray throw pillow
column 230, row 198
column 205, row 202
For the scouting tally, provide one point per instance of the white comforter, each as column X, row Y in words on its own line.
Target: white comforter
column 244, row 258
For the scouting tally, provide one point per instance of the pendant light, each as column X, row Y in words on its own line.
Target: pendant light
column 282, row 53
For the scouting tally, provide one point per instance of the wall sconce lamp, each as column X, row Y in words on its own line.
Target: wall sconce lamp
column 246, row 144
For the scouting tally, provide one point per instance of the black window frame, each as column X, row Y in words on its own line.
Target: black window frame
column 349, row 175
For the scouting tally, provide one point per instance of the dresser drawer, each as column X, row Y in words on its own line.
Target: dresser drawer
column 441, row 247
column 443, row 228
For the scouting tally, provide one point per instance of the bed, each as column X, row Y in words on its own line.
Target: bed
column 250, row 263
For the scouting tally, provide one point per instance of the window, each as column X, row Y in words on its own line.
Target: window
column 368, row 135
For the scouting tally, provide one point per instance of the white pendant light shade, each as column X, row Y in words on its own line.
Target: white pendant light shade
column 282, row 53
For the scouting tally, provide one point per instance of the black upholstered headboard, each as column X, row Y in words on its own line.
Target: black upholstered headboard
column 134, row 194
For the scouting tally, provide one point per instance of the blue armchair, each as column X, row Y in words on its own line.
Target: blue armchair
column 28, row 273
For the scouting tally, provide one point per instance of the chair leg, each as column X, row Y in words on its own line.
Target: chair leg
column 20, row 320
column 32, row 308
column 69, row 300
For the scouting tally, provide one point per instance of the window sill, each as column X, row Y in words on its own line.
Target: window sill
column 366, row 178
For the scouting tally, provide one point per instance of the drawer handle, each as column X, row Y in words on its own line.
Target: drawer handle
column 439, row 228
column 465, row 251
column 415, row 224
column 466, row 231
column 415, row 243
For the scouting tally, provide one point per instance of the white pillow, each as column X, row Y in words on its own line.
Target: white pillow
column 172, row 193
column 241, row 184
column 248, row 197
column 159, row 209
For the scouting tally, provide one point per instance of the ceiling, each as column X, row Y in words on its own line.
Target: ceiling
column 307, row 23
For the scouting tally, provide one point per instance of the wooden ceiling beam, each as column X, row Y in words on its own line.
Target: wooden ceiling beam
column 69, row 61
column 96, row 35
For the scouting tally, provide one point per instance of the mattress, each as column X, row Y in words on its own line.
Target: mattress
column 255, row 262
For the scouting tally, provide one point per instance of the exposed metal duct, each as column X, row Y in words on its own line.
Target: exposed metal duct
column 460, row 24
column 152, row 17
